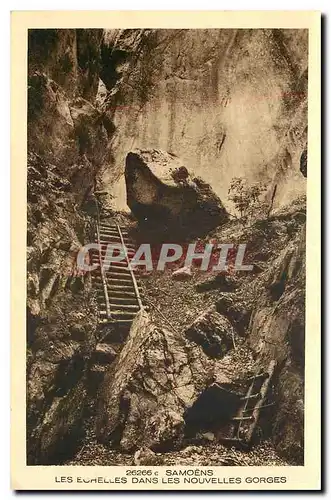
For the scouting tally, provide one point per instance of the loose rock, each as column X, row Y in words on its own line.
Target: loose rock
column 213, row 332
column 182, row 274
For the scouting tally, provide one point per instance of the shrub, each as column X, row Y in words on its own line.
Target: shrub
column 247, row 198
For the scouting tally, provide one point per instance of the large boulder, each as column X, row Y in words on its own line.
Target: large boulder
column 146, row 393
column 213, row 332
column 161, row 191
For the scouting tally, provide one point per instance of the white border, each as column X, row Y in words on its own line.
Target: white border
column 5, row 132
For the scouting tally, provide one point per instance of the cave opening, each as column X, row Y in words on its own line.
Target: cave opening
column 212, row 410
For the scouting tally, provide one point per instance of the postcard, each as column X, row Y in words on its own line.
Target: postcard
column 166, row 193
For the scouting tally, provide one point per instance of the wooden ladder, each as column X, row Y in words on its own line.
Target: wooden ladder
column 245, row 421
column 118, row 293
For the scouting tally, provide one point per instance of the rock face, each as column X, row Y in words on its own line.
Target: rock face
column 277, row 331
column 158, row 376
column 160, row 190
column 201, row 95
column 213, row 332
column 303, row 162
column 67, row 143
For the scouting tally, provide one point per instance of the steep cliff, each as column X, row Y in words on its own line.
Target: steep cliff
column 229, row 103
column 67, row 145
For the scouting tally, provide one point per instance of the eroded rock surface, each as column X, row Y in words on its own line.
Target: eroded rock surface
column 158, row 375
column 182, row 274
column 67, row 142
column 277, row 332
column 201, row 95
column 213, row 332
column 161, row 190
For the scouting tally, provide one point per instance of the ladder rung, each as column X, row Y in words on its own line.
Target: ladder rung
column 108, row 240
column 105, row 243
column 120, row 283
column 122, row 296
column 260, row 375
column 129, row 251
column 118, row 244
column 112, row 228
column 120, row 307
column 109, row 233
column 110, row 277
column 124, row 276
column 106, row 224
column 130, row 254
column 242, row 418
column 250, row 397
column 123, row 300
column 117, row 294
column 113, row 235
column 117, row 272
column 108, row 264
column 120, row 268
column 104, row 248
column 120, row 263
column 118, row 313
column 119, row 289
column 102, row 228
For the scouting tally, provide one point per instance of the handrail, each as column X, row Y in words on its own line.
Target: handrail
column 130, row 269
column 102, row 272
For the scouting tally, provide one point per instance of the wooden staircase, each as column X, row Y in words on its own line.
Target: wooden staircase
column 117, row 290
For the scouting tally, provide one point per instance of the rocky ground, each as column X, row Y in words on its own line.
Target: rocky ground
column 179, row 302
column 210, row 454
column 176, row 304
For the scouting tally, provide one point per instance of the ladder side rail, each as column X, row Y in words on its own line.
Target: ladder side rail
column 243, row 409
column 102, row 271
column 259, row 404
column 134, row 281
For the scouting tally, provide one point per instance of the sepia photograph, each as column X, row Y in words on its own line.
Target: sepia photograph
column 177, row 146
column 166, row 291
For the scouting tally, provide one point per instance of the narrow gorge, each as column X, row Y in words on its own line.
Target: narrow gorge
column 149, row 137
